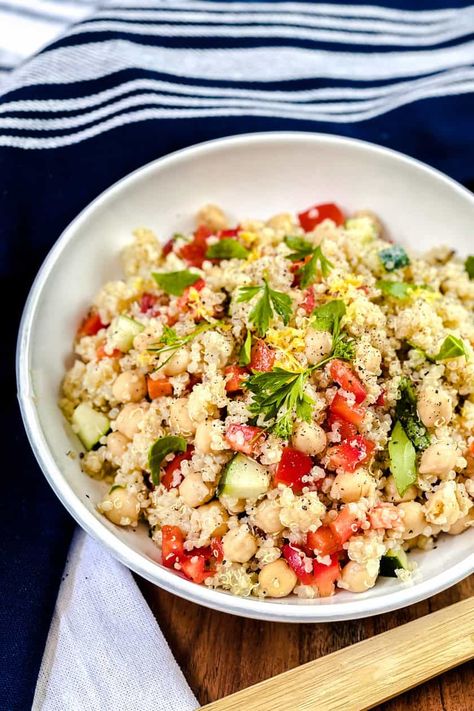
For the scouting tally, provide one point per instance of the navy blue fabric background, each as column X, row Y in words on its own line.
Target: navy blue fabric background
column 40, row 192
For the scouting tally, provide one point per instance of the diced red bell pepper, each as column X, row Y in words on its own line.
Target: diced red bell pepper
column 90, row 325
column 316, row 214
column 345, row 525
column 262, row 357
column 172, row 545
column 194, row 567
column 227, row 234
column 295, row 559
column 322, row 541
column 243, row 438
column 380, row 402
column 147, row 302
column 346, row 430
column 343, row 375
column 217, row 549
column 158, row 388
column 292, row 467
column 324, row 576
column 101, row 353
column 183, row 301
column 236, row 376
column 350, row 413
column 194, row 253
column 168, row 246
column 172, row 476
column 350, row 455
column 309, row 301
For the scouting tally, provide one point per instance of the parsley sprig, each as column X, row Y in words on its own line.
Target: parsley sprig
column 269, row 303
column 279, row 395
column 303, row 249
column 170, row 342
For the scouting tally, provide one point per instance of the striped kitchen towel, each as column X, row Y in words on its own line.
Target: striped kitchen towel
column 137, row 79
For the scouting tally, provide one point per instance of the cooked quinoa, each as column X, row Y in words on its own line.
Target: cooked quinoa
column 287, row 405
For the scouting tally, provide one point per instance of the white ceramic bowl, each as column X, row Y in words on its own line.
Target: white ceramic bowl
column 249, row 176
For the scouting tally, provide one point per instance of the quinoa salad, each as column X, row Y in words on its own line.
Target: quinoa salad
column 287, row 404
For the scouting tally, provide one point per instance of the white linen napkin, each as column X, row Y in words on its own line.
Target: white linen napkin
column 105, row 651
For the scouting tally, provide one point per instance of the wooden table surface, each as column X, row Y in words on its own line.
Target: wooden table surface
column 220, row 653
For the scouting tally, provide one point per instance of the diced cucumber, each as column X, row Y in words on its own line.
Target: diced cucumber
column 89, row 424
column 122, row 331
column 393, row 560
column 244, row 478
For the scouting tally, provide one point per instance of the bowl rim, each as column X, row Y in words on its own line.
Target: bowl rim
column 269, row 610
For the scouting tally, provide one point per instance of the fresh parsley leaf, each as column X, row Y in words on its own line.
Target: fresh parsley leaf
column 343, row 348
column 303, row 249
column 175, row 282
column 402, row 458
column 300, row 246
column 170, row 342
column 245, row 354
column 394, row 257
column 270, row 301
column 469, row 266
column 396, row 289
column 159, row 450
column 279, row 396
column 328, row 316
column 452, row 347
column 407, row 413
column 227, row 248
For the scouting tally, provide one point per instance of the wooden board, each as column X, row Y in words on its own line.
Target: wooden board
column 221, row 654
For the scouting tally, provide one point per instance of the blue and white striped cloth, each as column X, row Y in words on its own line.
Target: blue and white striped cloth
column 132, row 81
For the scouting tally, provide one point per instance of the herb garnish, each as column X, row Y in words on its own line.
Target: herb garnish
column 270, row 301
column 279, row 394
column 402, row 459
column 159, row 450
column 452, row 347
column 469, row 267
column 175, row 282
column 245, row 354
column 303, row 249
column 407, row 414
column 227, row 248
column 170, row 342
column 400, row 290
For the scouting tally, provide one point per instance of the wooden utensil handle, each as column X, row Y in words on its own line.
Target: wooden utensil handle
column 369, row 672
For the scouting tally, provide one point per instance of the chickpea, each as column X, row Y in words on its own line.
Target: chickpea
column 462, row 524
column 194, row 491
column 178, row 363
column 283, row 221
column 203, row 437
column 351, row 487
column 434, row 406
column 357, row 578
column 129, row 386
column 121, row 506
column 117, row 445
column 439, row 458
column 310, row 438
column 129, row 420
column 318, row 345
column 211, row 216
column 267, row 516
column 239, row 545
column 180, row 420
column 394, row 497
column 413, row 518
column 277, row 579
column 233, row 506
column 215, row 515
